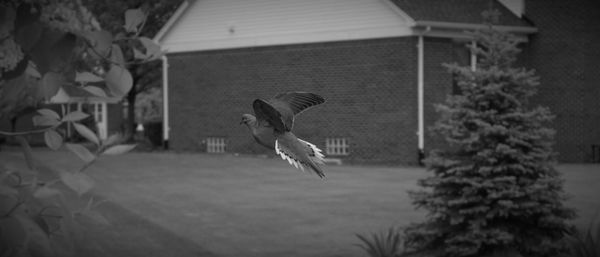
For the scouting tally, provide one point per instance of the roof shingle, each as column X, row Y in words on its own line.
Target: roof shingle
column 459, row 11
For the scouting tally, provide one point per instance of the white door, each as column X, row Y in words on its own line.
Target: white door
column 100, row 115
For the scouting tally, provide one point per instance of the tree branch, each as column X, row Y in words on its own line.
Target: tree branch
column 22, row 133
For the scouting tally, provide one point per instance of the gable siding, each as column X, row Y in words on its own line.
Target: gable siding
column 459, row 11
column 219, row 24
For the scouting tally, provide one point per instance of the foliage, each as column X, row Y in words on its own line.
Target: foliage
column 146, row 76
column 45, row 45
column 382, row 244
column 495, row 189
column 586, row 243
column 149, row 106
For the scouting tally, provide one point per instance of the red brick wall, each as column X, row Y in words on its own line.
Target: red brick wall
column 438, row 84
column 370, row 87
column 566, row 55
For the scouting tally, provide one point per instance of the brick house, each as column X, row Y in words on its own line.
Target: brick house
column 378, row 64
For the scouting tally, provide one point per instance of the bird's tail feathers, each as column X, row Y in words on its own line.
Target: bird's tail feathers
column 313, row 152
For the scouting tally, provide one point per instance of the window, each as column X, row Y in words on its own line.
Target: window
column 215, row 144
column 98, row 112
column 336, row 146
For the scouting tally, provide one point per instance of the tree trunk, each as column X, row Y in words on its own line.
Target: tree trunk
column 130, row 124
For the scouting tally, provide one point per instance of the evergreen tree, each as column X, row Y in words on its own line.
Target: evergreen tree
column 495, row 190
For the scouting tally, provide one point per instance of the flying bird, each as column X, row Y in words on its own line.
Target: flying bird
column 272, row 126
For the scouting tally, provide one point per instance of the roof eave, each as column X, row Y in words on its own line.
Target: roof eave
column 471, row 26
column 176, row 15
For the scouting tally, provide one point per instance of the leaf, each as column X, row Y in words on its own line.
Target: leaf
column 95, row 91
column 42, row 121
column 137, row 54
column 112, row 139
column 95, row 216
column 120, row 36
column 45, row 192
column 53, row 139
column 101, row 41
column 87, row 133
column 83, row 153
column 152, row 49
column 41, row 222
column 51, row 82
column 119, row 149
column 32, row 70
column 49, row 113
column 79, row 182
column 133, row 19
column 119, row 80
column 75, row 116
column 87, row 77
column 116, row 55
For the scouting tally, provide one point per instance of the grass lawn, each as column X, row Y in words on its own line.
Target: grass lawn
column 165, row 204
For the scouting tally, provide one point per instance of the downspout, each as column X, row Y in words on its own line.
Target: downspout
column 165, row 129
column 104, row 114
column 473, row 56
column 421, row 95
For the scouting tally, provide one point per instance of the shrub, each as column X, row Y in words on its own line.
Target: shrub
column 46, row 45
column 495, row 189
column 149, row 107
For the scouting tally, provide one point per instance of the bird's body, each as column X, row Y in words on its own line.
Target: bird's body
column 273, row 124
column 263, row 134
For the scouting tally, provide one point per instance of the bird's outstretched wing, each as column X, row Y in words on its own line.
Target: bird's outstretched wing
column 265, row 112
column 291, row 103
column 296, row 101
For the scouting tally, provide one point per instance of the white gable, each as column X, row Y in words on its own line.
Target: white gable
column 222, row 24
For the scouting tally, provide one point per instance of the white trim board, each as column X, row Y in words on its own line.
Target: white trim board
column 283, row 39
column 172, row 20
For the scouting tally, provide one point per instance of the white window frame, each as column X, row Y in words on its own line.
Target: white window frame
column 337, row 146
column 216, row 144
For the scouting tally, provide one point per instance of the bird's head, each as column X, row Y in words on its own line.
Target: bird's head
column 248, row 119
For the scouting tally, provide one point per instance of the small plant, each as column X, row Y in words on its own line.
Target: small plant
column 586, row 243
column 382, row 244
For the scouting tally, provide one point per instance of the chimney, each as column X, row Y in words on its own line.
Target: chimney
column 515, row 6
